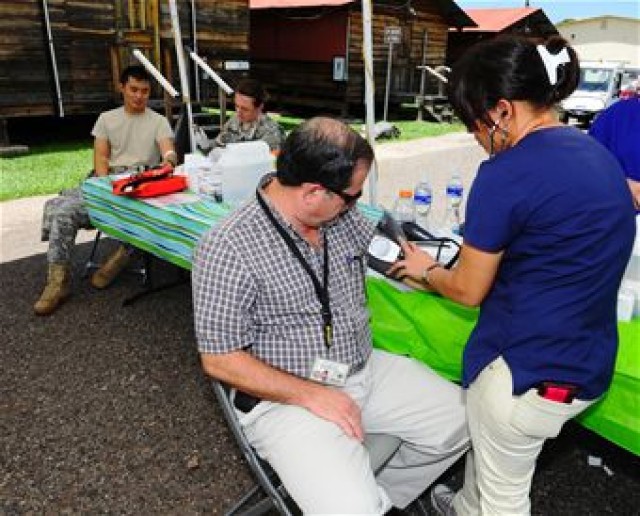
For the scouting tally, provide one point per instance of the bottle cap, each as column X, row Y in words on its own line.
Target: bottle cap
column 406, row 193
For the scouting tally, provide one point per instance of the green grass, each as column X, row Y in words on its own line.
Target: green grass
column 46, row 169
column 412, row 130
column 409, row 129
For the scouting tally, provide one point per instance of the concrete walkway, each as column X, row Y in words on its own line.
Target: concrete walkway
column 400, row 165
column 20, row 228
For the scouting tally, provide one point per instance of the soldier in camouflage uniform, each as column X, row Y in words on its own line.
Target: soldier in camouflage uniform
column 131, row 136
column 249, row 123
column 61, row 219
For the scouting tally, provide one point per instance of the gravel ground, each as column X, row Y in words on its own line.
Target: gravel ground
column 104, row 409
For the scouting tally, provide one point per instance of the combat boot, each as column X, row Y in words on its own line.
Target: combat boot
column 105, row 275
column 56, row 291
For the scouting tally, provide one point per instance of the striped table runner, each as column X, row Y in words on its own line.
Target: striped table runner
column 170, row 231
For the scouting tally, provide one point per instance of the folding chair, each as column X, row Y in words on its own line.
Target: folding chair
column 142, row 270
column 269, row 492
column 91, row 263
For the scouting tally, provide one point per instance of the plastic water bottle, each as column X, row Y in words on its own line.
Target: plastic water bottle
column 455, row 191
column 403, row 208
column 210, row 182
column 210, row 176
column 422, row 200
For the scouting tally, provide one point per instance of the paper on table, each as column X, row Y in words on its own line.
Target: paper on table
column 174, row 198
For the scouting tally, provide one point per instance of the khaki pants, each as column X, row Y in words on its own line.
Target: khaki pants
column 327, row 472
column 507, row 434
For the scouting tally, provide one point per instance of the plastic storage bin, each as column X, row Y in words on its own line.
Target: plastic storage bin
column 241, row 166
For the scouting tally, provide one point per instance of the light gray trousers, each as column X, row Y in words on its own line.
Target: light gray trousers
column 508, row 433
column 327, row 472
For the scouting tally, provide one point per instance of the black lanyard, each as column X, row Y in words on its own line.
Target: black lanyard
column 322, row 291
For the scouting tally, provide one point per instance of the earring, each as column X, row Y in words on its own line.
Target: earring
column 491, row 134
column 505, row 133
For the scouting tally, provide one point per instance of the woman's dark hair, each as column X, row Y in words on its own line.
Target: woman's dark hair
column 254, row 89
column 137, row 72
column 324, row 151
column 509, row 67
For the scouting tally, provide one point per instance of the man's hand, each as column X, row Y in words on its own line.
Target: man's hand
column 168, row 152
column 255, row 377
column 336, row 406
column 170, row 158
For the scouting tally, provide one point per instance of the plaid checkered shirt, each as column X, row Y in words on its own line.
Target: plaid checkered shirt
column 251, row 293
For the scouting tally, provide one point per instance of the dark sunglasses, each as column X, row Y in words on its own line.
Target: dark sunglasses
column 347, row 198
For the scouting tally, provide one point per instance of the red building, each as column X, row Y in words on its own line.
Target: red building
column 309, row 53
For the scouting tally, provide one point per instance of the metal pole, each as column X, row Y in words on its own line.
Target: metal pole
column 194, row 32
column 369, row 87
column 54, row 65
column 387, row 86
column 219, row 81
column 182, row 70
column 422, row 75
column 156, row 74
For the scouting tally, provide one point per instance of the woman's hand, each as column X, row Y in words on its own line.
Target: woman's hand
column 634, row 186
column 415, row 262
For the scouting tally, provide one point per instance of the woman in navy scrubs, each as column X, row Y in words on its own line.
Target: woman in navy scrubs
column 549, row 230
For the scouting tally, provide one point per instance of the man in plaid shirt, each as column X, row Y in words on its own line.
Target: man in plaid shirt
column 281, row 316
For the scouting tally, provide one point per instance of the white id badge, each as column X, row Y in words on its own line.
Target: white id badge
column 329, row 372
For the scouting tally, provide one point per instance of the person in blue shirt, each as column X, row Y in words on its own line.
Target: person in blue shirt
column 618, row 129
column 549, row 231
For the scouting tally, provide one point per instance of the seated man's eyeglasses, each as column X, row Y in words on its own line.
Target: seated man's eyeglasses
column 349, row 199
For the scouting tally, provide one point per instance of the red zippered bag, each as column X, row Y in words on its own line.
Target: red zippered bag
column 150, row 183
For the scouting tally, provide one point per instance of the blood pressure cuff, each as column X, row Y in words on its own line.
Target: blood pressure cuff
column 435, row 245
column 385, row 249
column 150, row 183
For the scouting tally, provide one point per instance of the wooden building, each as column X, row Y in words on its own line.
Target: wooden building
column 76, row 69
column 490, row 23
column 309, row 52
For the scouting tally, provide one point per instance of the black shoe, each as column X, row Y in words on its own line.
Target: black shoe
column 442, row 500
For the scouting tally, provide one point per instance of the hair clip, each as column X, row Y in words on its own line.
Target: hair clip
column 552, row 61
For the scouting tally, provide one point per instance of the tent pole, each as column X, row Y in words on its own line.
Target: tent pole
column 194, row 43
column 52, row 53
column 369, row 87
column 219, row 81
column 182, row 70
column 156, row 74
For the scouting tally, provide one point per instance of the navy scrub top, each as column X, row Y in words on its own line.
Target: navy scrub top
column 559, row 207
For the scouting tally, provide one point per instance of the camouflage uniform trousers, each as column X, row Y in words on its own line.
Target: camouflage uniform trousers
column 63, row 216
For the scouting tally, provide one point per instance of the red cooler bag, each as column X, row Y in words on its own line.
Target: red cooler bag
column 150, row 183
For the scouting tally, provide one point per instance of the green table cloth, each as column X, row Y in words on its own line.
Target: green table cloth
column 424, row 326
column 434, row 330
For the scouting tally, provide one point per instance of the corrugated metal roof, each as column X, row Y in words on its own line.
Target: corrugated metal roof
column 496, row 20
column 277, row 4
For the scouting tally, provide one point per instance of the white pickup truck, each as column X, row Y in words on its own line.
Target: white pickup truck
column 599, row 87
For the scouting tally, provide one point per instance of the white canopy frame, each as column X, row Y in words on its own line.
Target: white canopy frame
column 369, row 88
